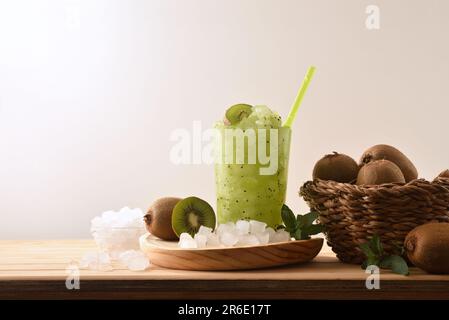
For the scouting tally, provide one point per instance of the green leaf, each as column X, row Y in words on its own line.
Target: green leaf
column 396, row 263
column 309, row 218
column 366, row 249
column 288, row 218
column 300, row 220
column 314, row 229
column 298, row 234
column 370, row 261
column 373, row 261
column 376, row 245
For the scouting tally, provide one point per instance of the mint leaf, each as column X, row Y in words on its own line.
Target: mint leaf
column 396, row 263
column 366, row 249
column 288, row 218
column 375, row 255
column 301, row 226
column 309, row 218
column 372, row 261
column 376, row 245
column 314, row 229
column 299, row 220
column 298, row 235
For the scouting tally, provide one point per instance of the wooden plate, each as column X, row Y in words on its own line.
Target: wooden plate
column 168, row 255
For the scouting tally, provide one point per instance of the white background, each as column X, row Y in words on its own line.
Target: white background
column 91, row 90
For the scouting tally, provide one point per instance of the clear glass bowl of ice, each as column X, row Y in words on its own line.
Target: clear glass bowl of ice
column 114, row 240
column 118, row 231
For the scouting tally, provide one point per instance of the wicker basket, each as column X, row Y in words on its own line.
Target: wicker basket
column 352, row 214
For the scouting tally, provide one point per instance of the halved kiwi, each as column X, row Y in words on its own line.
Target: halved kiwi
column 191, row 213
column 237, row 112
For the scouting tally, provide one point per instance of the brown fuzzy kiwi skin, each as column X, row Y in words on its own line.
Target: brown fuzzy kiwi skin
column 336, row 167
column 379, row 172
column 427, row 247
column 444, row 174
column 386, row 152
column 158, row 218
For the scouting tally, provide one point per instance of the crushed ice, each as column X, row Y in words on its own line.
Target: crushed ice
column 241, row 233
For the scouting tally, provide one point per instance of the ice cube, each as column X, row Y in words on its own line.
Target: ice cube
column 228, row 239
column 257, row 226
column 125, row 210
column 139, row 263
column 97, row 261
column 271, row 232
column 213, row 241
column 204, row 230
column 134, row 260
column 281, row 236
column 248, row 240
column 185, row 236
column 226, row 227
column 124, row 256
column 87, row 260
column 201, row 240
column 242, row 227
column 187, row 242
column 263, row 237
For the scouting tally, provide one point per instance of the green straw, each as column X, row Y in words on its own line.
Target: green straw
column 305, row 83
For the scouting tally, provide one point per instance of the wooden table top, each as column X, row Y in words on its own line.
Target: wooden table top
column 38, row 269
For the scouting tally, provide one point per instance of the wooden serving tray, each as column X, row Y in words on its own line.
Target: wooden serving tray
column 167, row 254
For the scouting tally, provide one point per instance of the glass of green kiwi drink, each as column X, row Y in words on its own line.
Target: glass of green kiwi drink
column 251, row 164
column 252, row 147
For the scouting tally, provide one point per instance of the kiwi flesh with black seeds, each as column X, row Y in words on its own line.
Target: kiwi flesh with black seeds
column 386, row 152
column 190, row 214
column 237, row 113
column 427, row 247
column 380, row 172
column 336, row 167
column 158, row 218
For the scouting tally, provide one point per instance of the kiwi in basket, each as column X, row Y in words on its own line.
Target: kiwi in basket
column 386, row 152
column 336, row 167
column 427, row 247
column 379, row 172
column 444, row 174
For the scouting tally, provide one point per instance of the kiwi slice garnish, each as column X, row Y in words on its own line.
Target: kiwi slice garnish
column 237, row 112
column 190, row 214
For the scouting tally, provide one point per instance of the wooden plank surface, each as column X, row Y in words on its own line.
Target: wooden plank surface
column 37, row 269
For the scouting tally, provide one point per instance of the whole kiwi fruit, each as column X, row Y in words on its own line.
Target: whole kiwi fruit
column 336, row 167
column 379, row 172
column 159, row 216
column 427, row 247
column 386, row 152
column 444, row 174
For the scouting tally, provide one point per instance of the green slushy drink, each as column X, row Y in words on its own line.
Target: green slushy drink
column 252, row 152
